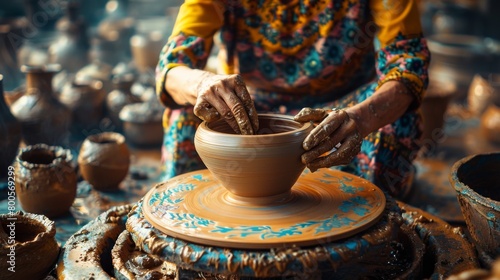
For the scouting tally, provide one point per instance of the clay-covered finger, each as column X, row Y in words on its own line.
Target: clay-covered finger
column 309, row 114
column 237, row 114
column 330, row 142
column 244, row 96
column 222, row 109
column 324, row 129
column 345, row 153
column 205, row 111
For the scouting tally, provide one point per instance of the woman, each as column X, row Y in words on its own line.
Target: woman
column 366, row 58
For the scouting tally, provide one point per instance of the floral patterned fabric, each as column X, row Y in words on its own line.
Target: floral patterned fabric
column 299, row 53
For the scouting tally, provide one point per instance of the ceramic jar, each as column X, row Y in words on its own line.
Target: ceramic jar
column 104, row 160
column 475, row 179
column 71, row 48
column 85, row 99
column 145, row 50
column 43, row 118
column 10, row 131
column 490, row 124
column 260, row 165
column 96, row 70
column 483, row 91
column 45, row 180
column 36, row 249
column 142, row 123
column 120, row 96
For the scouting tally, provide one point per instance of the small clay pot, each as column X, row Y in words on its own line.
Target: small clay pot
column 45, row 180
column 142, row 124
column 260, row 165
column 490, row 124
column 104, row 160
column 36, row 249
column 475, row 179
column 120, row 96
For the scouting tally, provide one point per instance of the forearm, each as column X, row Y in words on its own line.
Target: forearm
column 182, row 84
column 385, row 106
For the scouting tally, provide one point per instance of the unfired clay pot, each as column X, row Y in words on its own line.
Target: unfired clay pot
column 142, row 123
column 476, row 180
column 104, row 160
column 45, row 180
column 120, row 96
column 35, row 250
column 43, row 118
column 490, row 124
column 260, row 165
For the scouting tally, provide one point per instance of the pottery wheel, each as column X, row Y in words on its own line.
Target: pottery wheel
column 323, row 206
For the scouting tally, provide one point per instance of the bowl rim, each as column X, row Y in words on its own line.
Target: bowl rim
column 305, row 126
column 464, row 190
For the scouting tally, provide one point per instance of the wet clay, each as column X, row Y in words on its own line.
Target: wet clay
column 45, row 180
column 476, row 181
column 104, row 160
column 36, row 249
column 86, row 255
column 259, row 165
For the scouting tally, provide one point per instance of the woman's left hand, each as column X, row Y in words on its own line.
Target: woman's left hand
column 336, row 133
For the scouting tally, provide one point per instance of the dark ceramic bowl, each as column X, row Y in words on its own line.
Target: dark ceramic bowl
column 265, row 164
column 476, row 180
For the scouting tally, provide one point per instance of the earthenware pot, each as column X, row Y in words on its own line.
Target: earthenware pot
column 97, row 70
column 265, row 164
column 44, row 119
column 36, row 249
column 71, row 48
column 45, row 180
column 104, row 160
column 85, row 99
column 120, row 96
column 10, row 129
column 483, row 90
column 142, row 123
column 475, row 179
column 145, row 50
column 490, row 124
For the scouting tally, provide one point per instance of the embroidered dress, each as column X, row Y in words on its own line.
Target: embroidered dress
column 305, row 53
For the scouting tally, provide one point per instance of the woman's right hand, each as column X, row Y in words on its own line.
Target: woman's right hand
column 226, row 96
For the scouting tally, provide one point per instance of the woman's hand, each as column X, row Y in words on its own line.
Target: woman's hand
column 226, row 96
column 336, row 133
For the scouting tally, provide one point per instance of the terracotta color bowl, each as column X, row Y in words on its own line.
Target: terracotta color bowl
column 104, row 160
column 476, row 180
column 265, row 164
column 35, row 248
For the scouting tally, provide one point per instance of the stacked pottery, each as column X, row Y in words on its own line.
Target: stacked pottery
column 35, row 247
column 120, row 96
column 85, row 99
column 10, row 131
column 104, row 160
column 43, row 118
column 45, row 180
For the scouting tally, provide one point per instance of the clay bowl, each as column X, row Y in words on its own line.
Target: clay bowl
column 104, row 160
column 476, row 180
column 254, row 166
column 36, row 249
column 45, row 180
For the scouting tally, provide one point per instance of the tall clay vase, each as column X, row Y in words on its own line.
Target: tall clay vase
column 35, row 248
column 45, row 180
column 43, row 118
column 10, row 134
column 104, row 160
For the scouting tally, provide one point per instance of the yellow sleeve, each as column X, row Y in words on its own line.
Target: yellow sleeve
column 403, row 53
column 190, row 42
